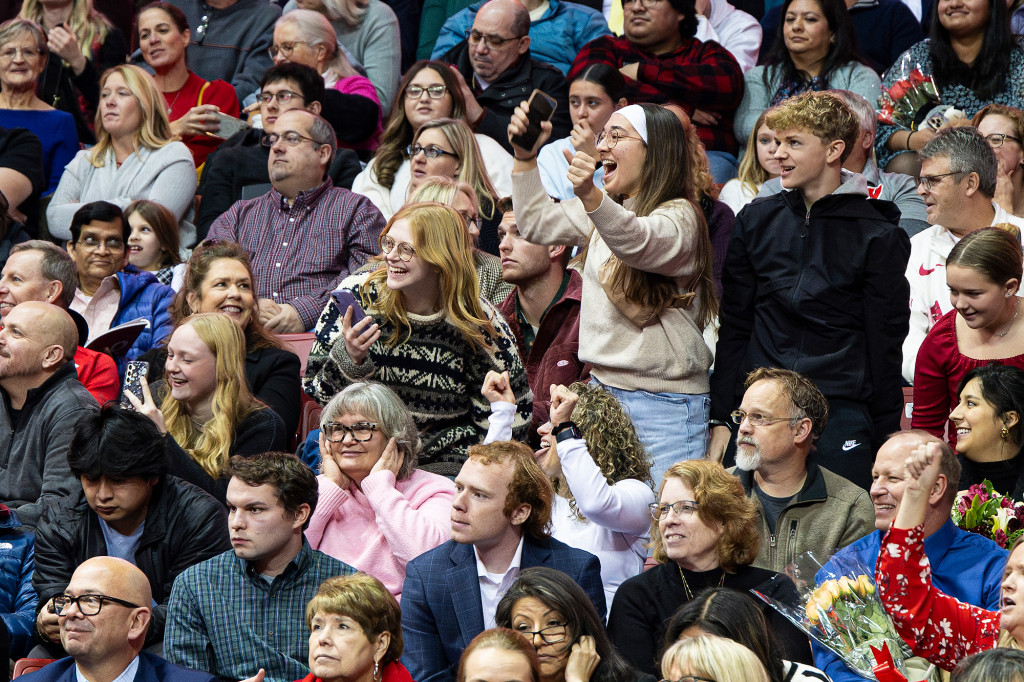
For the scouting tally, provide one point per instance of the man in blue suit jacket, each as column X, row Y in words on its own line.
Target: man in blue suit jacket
column 104, row 614
column 500, row 518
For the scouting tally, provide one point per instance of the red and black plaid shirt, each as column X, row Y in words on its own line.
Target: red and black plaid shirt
column 695, row 75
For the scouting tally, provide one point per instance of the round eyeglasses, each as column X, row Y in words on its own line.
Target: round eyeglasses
column 996, row 140
column 88, row 604
column 613, row 137
column 405, row 251
column 360, row 431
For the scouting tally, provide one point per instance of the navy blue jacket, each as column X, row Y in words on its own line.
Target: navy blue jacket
column 441, row 608
column 152, row 668
column 17, row 598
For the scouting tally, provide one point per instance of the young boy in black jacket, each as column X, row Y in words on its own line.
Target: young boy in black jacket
column 814, row 282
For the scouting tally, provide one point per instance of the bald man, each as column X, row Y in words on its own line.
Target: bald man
column 42, row 402
column 104, row 614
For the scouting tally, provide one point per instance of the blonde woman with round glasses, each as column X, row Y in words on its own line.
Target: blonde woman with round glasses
column 135, row 157
column 427, row 335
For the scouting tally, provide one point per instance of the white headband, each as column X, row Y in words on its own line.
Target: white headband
column 634, row 113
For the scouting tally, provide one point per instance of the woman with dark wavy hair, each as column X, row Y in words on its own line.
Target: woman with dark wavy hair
column 813, row 50
column 704, row 534
column 975, row 61
column 550, row 610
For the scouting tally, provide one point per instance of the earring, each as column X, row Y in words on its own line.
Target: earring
column 1007, row 295
column 376, row 671
column 1004, row 433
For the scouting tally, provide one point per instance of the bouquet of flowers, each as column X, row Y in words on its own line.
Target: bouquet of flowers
column 982, row 510
column 843, row 612
column 909, row 101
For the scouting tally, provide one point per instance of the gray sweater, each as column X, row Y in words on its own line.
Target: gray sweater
column 34, row 447
column 233, row 47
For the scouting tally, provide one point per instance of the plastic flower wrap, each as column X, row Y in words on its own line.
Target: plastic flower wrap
column 910, row 101
column 844, row 613
column 980, row 509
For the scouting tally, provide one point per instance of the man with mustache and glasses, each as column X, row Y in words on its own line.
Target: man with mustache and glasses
column 803, row 506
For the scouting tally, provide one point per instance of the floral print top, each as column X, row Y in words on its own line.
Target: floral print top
column 936, row 626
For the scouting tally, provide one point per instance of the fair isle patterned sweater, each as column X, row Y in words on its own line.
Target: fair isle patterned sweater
column 436, row 372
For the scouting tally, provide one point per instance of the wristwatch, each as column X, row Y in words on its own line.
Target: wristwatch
column 565, row 431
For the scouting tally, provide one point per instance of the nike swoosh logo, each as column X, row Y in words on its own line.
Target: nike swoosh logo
column 848, row 445
column 924, row 273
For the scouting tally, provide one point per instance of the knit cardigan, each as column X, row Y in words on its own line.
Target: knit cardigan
column 435, row 371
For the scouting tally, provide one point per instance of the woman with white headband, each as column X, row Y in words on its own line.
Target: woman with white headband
column 648, row 291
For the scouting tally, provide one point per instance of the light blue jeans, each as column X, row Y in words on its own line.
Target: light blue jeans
column 723, row 166
column 672, row 426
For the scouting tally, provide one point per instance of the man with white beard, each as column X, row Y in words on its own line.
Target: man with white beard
column 802, row 505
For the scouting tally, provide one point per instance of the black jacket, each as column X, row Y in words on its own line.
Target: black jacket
column 820, row 292
column 184, row 526
column 511, row 88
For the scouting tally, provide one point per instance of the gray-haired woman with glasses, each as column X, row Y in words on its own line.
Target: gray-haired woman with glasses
column 555, row 615
column 376, row 510
column 703, row 534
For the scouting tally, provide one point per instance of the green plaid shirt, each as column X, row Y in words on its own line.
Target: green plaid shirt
column 223, row 617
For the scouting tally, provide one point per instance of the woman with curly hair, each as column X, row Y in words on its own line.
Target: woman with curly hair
column 428, row 92
column 427, row 335
column 600, row 472
column 704, row 534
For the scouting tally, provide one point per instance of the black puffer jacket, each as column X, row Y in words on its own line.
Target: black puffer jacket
column 184, row 526
column 821, row 292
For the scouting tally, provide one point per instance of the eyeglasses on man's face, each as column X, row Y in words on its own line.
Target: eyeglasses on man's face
column 291, row 138
column 492, row 42
column 930, row 181
column 405, row 251
column 88, row 604
column 361, row 431
column 756, row 418
column 112, row 243
column 282, row 96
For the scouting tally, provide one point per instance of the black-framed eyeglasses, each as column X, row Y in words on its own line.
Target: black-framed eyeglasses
column 552, row 634
column 431, row 150
column 26, row 53
column 285, row 48
column 112, row 243
column 612, row 138
column 291, row 138
column 930, row 181
column 472, row 221
column 492, row 42
column 282, row 96
column 360, row 431
column 405, row 251
column 204, row 23
column 433, row 91
column 684, row 509
column 995, row 140
column 88, row 604
column 756, row 418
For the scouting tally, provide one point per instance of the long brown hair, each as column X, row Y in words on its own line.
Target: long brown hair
column 398, row 132
column 668, row 174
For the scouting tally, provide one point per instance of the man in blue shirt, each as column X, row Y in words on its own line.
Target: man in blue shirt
column 964, row 565
column 245, row 609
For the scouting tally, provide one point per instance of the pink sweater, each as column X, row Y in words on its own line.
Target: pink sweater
column 380, row 528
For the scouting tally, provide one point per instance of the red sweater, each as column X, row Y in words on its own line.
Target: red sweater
column 940, row 367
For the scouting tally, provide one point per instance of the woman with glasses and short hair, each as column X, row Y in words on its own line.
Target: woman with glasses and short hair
column 1003, row 129
column 429, row 91
column 555, row 615
column 377, row 510
column 427, row 335
column 703, row 534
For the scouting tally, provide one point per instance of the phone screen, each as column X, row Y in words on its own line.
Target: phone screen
column 346, row 298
